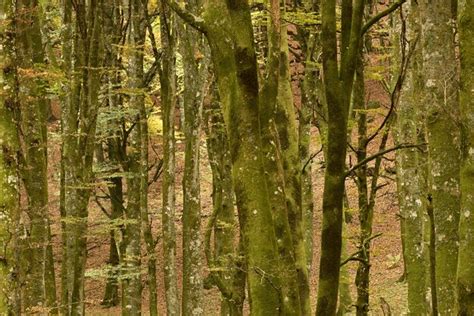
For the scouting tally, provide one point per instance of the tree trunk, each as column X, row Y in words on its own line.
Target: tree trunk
column 338, row 88
column 168, row 102
column 80, row 114
column 131, row 259
column 440, row 69
column 226, row 258
column 465, row 276
column 114, row 148
column 195, row 63
column 410, row 165
column 34, row 109
column 237, row 78
column 9, row 152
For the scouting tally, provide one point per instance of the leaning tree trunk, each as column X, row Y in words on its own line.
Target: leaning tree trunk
column 9, row 180
column 168, row 102
column 465, row 277
column 39, row 289
column 440, row 84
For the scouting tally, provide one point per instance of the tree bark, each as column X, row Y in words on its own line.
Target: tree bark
column 338, row 89
column 80, row 114
column 195, row 62
column 441, row 99
column 9, row 181
column 465, row 272
column 168, row 103
column 410, row 164
column 34, row 110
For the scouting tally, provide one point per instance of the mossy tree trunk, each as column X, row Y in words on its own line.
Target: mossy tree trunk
column 79, row 124
column 34, row 111
column 411, row 164
column 310, row 104
column 256, row 151
column 9, row 153
column 113, row 145
column 465, row 274
column 168, row 103
column 131, row 258
column 441, row 99
column 195, row 62
column 338, row 82
column 226, row 262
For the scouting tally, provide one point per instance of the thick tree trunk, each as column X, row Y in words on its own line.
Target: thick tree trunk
column 237, row 79
column 410, row 163
column 440, row 85
column 465, row 276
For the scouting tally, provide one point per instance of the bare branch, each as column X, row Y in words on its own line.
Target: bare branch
column 381, row 15
column 381, row 153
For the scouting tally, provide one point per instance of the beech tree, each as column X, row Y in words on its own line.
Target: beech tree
column 9, row 180
column 34, row 106
column 338, row 81
column 442, row 122
column 263, row 80
column 81, row 64
column 465, row 272
column 411, row 162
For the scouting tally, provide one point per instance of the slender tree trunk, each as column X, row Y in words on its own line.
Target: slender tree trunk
column 338, row 88
column 9, row 153
column 131, row 259
column 285, row 118
column 195, row 63
column 226, row 258
column 114, row 145
column 34, row 109
column 440, row 83
column 465, row 276
column 168, row 102
column 79, row 132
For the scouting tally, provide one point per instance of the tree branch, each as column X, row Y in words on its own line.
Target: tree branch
column 193, row 20
column 381, row 153
column 381, row 15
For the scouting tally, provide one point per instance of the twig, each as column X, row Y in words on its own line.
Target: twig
column 311, row 158
column 381, row 153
